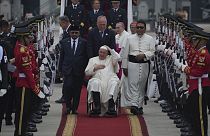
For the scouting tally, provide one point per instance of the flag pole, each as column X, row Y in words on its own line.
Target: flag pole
column 129, row 14
column 63, row 3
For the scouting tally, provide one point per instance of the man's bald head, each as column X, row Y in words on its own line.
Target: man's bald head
column 120, row 27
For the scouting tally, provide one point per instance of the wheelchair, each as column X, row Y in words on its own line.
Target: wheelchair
column 104, row 109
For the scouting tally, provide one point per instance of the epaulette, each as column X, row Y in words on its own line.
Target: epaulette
column 203, row 51
column 22, row 49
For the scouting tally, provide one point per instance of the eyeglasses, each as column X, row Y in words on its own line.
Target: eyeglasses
column 140, row 27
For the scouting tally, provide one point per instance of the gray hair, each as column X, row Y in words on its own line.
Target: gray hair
column 122, row 24
column 101, row 17
column 64, row 18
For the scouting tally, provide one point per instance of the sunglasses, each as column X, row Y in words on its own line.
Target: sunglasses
column 140, row 27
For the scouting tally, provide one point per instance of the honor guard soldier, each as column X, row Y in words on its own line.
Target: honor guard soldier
column 26, row 84
column 197, row 69
column 116, row 14
column 75, row 13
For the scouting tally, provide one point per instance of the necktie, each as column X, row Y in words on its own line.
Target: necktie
column 96, row 11
column 101, row 33
column 73, row 46
column 75, row 7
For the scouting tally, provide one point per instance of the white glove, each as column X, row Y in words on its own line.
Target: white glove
column 174, row 56
column 165, row 51
column 42, row 67
column 41, row 95
column 170, row 52
column 45, row 61
column 183, row 67
column 161, row 47
column 3, row 92
column 177, row 63
column 46, row 90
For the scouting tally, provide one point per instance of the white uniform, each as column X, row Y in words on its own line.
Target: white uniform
column 104, row 80
column 137, row 72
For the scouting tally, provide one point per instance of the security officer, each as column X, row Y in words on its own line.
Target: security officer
column 26, row 84
column 9, row 43
column 94, row 13
column 116, row 14
column 75, row 13
column 3, row 80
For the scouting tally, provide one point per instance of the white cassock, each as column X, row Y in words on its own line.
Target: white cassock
column 104, row 80
column 137, row 72
column 121, row 42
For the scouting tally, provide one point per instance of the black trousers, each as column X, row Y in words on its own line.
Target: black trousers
column 72, row 89
column 194, row 111
column 10, row 96
column 23, row 110
column 2, row 109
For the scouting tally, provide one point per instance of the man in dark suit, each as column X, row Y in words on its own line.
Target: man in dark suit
column 65, row 25
column 73, row 61
column 94, row 14
column 100, row 36
column 75, row 13
column 116, row 14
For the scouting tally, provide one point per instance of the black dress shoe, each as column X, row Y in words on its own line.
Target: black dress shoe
column 61, row 100
column 172, row 113
column 44, row 109
column 68, row 111
column 41, row 113
column 37, row 116
column 36, row 120
column 31, row 124
column 31, row 129
column 9, row 123
column 75, row 112
column 178, row 121
column 46, row 105
column 182, row 125
column 140, row 111
column 175, row 116
column 28, row 134
column 187, row 134
column 167, row 109
column 186, row 129
column 134, row 110
column 58, row 80
column 165, row 105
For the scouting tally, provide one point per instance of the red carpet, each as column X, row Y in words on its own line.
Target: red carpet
column 102, row 126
